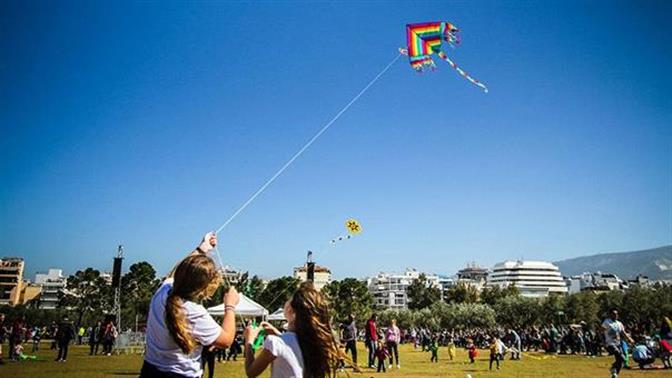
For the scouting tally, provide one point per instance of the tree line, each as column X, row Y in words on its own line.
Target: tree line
column 88, row 297
column 464, row 307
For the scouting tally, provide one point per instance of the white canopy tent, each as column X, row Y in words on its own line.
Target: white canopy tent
column 246, row 307
column 278, row 315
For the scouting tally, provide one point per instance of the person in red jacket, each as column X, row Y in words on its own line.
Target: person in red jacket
column 371, row 339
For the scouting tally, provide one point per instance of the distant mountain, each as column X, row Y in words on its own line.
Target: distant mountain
column 655, row 263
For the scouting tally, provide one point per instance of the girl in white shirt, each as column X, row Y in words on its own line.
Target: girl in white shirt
column 308, row 349
column 178, row 326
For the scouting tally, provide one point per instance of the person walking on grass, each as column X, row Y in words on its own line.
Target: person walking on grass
column 308, row 348
column 451, row 348
column 110, row 334
column 371, row 339
column 94, row 339
column 434, row 348
column 16, row 334
column 472, row 351
column 393, row 338
column 80, row 335
column 36, row 335
column 53, row 332
column 65, row 334
column 349, row 337
column 178, row 326
column 516, row 345
column 614, row 332
column 496, row 351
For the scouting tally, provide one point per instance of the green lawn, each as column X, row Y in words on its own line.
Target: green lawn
column 413, row 364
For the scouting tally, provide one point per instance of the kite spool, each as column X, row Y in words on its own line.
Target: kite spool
column 259, row 341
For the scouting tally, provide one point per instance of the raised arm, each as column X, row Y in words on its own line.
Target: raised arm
column 228, row 333
column 207, row 244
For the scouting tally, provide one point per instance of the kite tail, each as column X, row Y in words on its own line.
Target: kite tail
column 477, row 83
column 340, row 239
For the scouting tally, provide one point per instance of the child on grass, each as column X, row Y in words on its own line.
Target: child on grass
column 451, row 348
column 471, row 349
column 381, row 355
column 496, row 351
column 434, row 348
column 19, row 355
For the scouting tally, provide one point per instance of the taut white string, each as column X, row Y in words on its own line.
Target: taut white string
column 304, row 148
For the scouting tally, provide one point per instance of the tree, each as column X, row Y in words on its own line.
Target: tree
column 582, row 306
column 137, row 288
column 87, row 293
column 640, row 307
column 609, row 300
column 461, row 293
column 461, row 315
column 405, row 318
column 349, row 296
column 517, row 311
column 552, row 309
column 251, row 287
column 277, row 292
column 421, row 294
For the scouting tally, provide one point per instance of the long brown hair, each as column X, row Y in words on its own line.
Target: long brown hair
column 195, row 279
column 313, row 330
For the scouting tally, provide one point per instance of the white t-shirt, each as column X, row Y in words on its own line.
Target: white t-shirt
column 288, row 361
column 162, row 351
column 612, row 331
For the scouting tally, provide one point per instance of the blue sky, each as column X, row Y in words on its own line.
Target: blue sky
column 147, row 124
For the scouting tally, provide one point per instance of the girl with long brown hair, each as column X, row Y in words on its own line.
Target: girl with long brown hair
column 178, row 326
column 308, row 349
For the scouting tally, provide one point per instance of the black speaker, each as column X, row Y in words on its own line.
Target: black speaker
column 310, row 272
column 116, row 271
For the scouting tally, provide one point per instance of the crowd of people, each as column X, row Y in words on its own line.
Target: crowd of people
column 610, row 337
column 183, row 339
column 19, row 333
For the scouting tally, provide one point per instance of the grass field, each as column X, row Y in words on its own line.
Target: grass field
column 413, row 364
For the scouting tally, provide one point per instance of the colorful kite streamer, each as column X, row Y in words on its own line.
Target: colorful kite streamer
column 425, row 39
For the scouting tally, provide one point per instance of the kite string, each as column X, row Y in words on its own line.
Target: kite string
column 294, row 157
column 304, row 148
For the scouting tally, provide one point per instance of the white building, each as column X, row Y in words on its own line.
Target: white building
column 473, row 275
column 532, row 278
column 107, row 277
column 596, row 282
column 389, row 289
column 321, row 278
column 52, row 283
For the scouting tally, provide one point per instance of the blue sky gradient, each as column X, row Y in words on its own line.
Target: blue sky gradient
column 147, row 124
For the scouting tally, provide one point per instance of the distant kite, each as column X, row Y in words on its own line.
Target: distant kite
column 425, row 39
column 353, row 227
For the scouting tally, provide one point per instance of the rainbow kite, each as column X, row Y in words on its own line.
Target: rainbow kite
column 425, row 39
